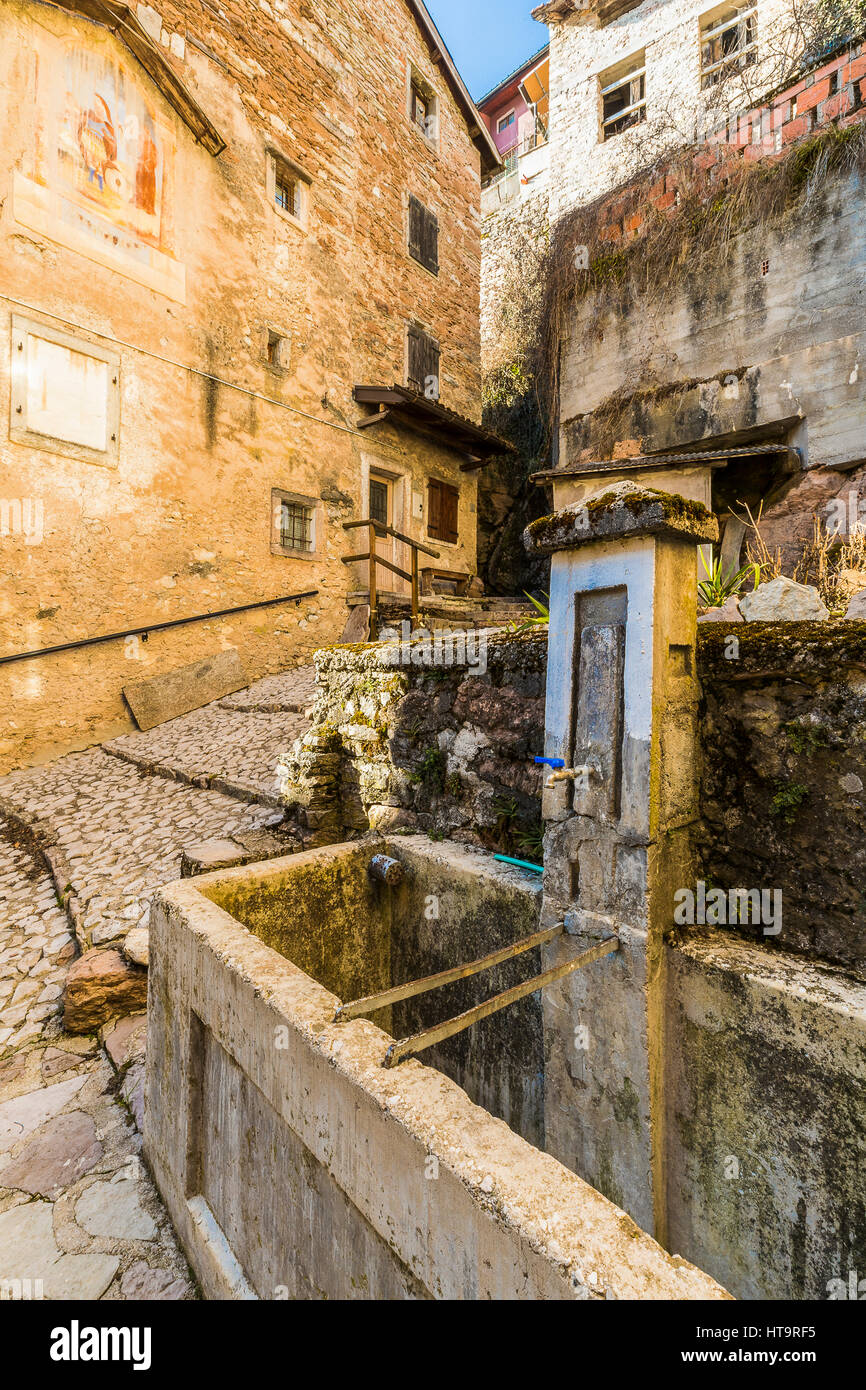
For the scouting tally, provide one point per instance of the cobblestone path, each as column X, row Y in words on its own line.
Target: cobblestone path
column 79, row 1215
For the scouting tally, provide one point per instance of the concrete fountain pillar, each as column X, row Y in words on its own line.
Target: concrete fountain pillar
column 622, row 697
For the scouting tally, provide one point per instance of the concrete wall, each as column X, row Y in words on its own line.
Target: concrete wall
column 356, row 937
column 294, row 1165
column 174, row 518
column 766, row 1099
column 730, row 350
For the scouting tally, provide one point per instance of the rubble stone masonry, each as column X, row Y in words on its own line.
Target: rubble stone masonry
column 224, row 333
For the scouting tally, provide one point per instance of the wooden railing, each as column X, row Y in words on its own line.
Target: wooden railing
column 411, row 575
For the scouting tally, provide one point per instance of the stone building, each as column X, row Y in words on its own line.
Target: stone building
column 240, row 279
column 706, row 207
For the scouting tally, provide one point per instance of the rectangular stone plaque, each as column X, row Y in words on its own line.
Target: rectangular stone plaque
column 159, row 698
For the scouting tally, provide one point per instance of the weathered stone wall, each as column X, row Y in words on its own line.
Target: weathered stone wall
column 181, row 523
column 440, row 747
column 514, row 245
column 581, row 48
column 783, row 791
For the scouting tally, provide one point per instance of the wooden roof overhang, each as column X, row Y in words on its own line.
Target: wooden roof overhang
column 410, row 408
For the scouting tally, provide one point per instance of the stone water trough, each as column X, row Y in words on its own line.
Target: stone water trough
column 295, row 1164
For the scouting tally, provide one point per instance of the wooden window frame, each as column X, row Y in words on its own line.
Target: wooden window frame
column 279, row 165
column 418, row 87
column 415, row 330
column 628, row 72
column 713, row 25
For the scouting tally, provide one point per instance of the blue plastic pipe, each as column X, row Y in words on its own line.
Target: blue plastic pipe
column 520, row 863
column 551, row 762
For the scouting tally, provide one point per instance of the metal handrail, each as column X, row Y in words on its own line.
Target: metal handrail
column 157, row 627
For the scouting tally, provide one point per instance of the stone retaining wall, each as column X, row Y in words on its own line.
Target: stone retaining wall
column 423, row 744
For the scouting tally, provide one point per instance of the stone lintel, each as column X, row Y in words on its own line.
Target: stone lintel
column 617, row 512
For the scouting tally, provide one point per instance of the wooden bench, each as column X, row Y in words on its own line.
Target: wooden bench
column 431, row 577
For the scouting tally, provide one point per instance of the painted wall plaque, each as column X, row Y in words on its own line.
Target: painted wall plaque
column 102, row 174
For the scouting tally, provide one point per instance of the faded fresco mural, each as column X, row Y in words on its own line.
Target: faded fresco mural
column 102, row 173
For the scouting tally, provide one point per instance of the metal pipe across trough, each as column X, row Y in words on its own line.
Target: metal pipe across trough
column 444, row 977
column 406, row 1047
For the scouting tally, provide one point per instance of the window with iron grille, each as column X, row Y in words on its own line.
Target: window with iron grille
column 296, row 527
column 442, row 503
column 293, row 524
column 729, row 40
column 423, row 367
column 423, row 235
column 623, row 96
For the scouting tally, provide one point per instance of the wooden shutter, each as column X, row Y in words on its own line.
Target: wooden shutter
column 442, row 502
column 434, row 508
column 423, row 361
column 450, row 498
column 423, row 235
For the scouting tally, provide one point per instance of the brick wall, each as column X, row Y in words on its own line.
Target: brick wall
column 761, row 133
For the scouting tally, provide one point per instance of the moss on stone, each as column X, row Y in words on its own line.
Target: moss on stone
column 779, row 649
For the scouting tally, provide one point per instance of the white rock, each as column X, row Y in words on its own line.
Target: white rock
column 783, row 600
column 25, row 1113
column 30, row 1251
column 113, row 1209
column 136, row 947
column 857, row 606
column 728, row 612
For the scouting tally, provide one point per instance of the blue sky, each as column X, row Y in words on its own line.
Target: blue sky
column 488, row 39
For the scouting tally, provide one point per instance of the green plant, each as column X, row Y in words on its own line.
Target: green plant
column 411, row 730
column 454, row 784
column 805, row 738
column 787, row 801
column 540, row 618
column 431, row 770
column 530, row 840
column 717, row 587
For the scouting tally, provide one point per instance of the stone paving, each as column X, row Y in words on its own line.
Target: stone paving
column 79, row 1215
column 216, row 747
column 78, row 1210
column 120, row 831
